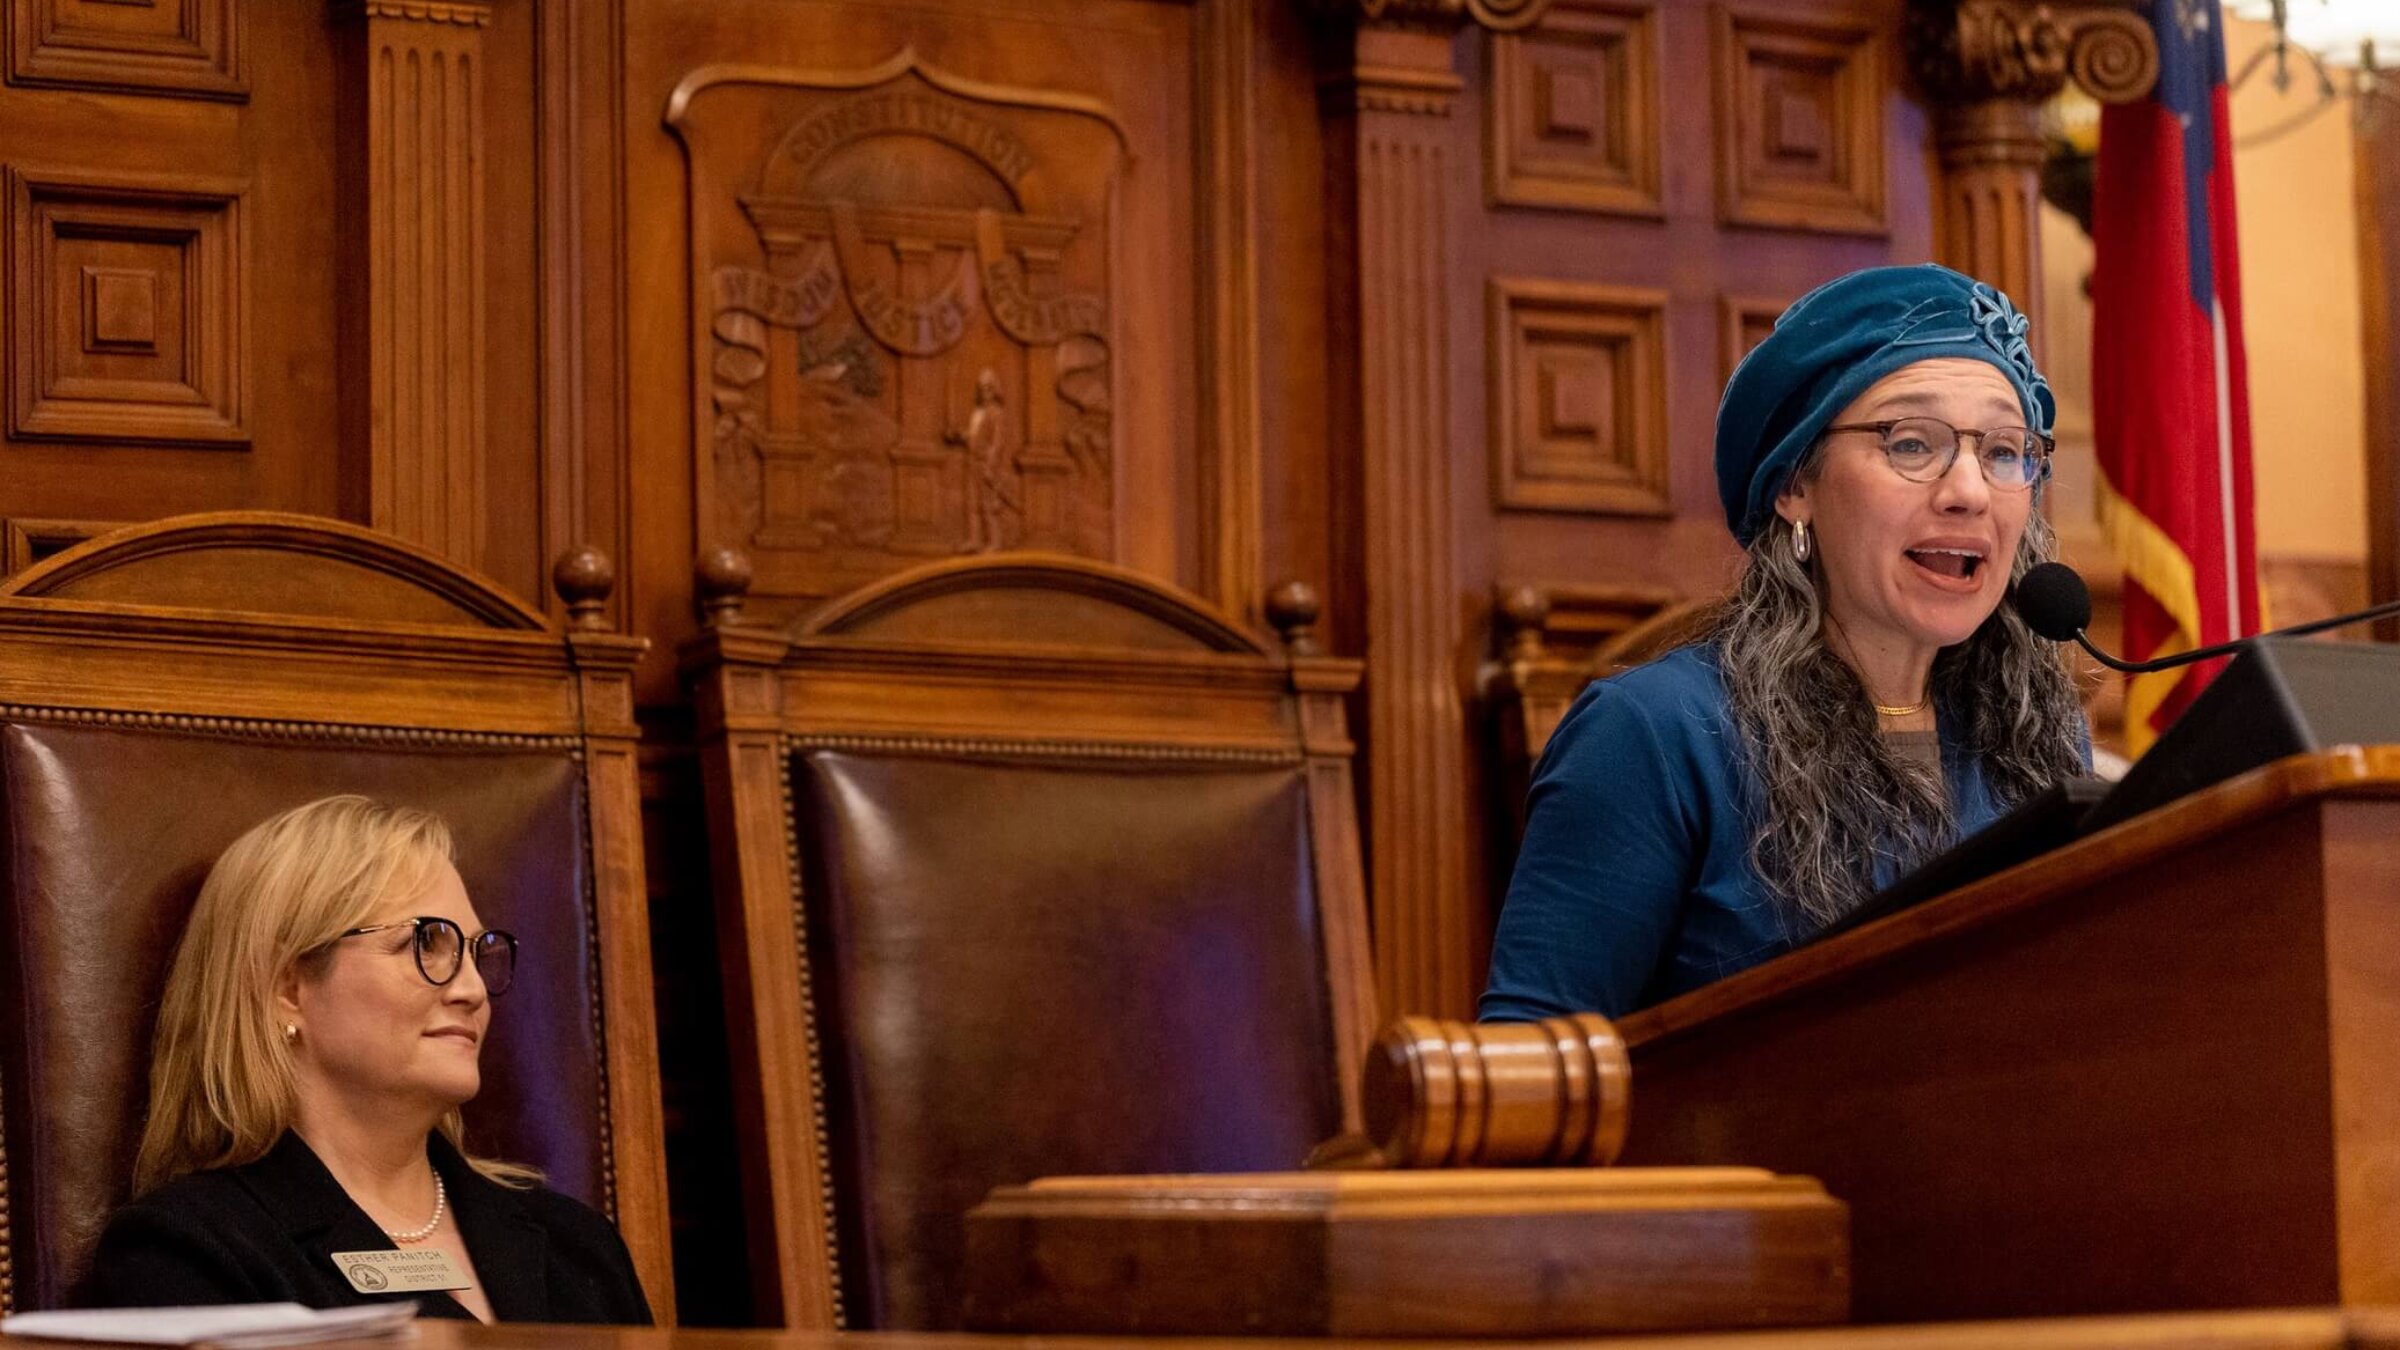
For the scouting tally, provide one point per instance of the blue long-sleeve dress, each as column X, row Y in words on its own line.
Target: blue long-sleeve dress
column 1634, row 883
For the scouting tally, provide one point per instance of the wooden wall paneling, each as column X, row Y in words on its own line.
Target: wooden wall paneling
column 1390, row 100
column 154, row 190
column 1799, row 108
column 128, row 318
column 1578, row 397
column 1229, row 480
column 1743, row 321
column 192, row 48
column 415, row 412
column 1571, row 116
column 1299, row 486
column 579, row 113
column 1987, row 66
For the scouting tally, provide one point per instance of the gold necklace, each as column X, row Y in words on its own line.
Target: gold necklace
column 1909, row 711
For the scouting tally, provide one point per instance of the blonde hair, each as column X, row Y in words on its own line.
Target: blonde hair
column 222, row 1087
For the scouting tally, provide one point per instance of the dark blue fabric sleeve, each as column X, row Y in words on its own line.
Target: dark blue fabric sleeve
column 1609, row 851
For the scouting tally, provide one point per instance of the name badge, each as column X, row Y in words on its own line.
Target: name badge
column 418, row 1272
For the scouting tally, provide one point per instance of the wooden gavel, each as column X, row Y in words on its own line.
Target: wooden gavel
column 1441, row 1093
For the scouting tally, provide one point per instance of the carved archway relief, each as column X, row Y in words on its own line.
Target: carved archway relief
column 902, row 285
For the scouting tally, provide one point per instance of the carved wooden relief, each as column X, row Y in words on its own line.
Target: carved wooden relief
column 1571, row 114
column 1578, row 397
column 186, row 47
column 1800, row 121
column 126, row 317
column 906, row 322
column 1744, row 322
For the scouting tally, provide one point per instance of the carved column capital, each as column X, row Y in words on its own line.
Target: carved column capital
column 1969, row 51
column 465, row 13
column 1448, row 16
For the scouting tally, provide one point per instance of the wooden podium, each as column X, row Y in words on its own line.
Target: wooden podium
column 2157, row 1069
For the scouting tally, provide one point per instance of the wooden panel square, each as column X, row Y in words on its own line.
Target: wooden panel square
column 1800, row 121
column 1744, row 322
column 190, row 48
column 126, row 323
column 1578, row 397
column 120, row 309
column 1571, row 113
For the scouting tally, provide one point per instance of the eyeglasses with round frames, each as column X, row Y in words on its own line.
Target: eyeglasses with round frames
column 441, row 948
column 1922, row 449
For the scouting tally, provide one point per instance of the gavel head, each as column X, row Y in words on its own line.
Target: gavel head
column 1462, row 1094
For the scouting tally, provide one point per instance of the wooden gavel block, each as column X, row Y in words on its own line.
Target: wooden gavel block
column 1478, row 1202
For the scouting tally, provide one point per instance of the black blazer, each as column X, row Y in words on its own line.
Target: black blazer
column 266, row 1232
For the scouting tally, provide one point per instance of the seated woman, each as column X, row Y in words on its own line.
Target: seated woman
column 1862, row 699
column 320, row 1029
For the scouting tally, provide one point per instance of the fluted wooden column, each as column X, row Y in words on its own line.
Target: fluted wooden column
column 414, row 201
column 1390, row 89
column 1986, row 67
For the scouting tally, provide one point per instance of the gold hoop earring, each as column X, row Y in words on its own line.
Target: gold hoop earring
column 1800, row 548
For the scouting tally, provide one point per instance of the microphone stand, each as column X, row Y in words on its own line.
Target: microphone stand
column 2229, row 648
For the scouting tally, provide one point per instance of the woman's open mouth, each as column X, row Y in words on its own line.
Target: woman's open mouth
column 1956, row 566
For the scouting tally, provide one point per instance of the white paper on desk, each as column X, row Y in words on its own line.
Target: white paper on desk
column 240, row 1326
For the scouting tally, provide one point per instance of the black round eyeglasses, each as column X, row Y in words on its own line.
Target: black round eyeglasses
column 442, row 946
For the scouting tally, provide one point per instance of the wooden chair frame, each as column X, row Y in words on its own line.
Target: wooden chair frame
column 311, row 629
column 1200, row 687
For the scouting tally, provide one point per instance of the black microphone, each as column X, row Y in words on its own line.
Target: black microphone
column 2055, row 604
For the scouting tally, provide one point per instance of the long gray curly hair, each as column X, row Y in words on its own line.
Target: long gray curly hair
column 1838, row 805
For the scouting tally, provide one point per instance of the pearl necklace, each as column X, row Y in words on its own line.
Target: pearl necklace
column 441, row 1201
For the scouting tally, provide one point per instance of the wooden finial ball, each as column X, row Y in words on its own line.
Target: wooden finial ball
column 1523, row 612
column 583, row 578
column 721, row 578
column 1293, row 608
column 1524, row 607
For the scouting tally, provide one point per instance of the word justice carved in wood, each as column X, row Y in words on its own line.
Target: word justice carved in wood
column 903, row 284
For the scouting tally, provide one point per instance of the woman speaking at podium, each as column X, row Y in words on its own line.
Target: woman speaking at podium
column 1860, row 701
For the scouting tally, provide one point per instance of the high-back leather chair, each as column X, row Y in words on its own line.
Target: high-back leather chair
column 1025, row 865
column 165, row 687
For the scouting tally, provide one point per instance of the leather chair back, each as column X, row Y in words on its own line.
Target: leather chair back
column 1080, row 893
column 138, row 739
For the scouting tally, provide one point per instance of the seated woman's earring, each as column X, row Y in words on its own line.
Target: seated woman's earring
column 291, row 1034
column 1800, row 549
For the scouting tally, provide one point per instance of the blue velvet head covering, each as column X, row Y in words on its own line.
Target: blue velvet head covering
column 1833, row 343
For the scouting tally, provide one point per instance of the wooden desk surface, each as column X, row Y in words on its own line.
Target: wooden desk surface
column 2266, row 1329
